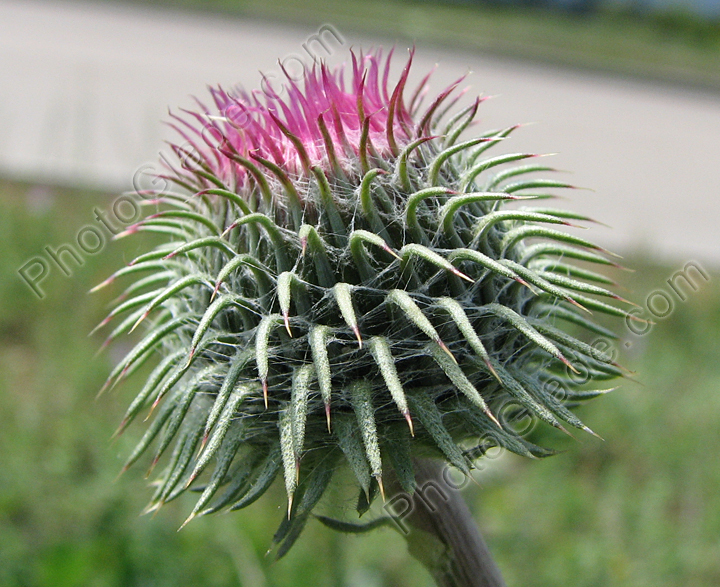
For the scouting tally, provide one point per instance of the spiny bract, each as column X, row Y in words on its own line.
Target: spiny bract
column 343, row 282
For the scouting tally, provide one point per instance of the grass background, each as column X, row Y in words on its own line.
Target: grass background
column 671, row 45
column 640, row 509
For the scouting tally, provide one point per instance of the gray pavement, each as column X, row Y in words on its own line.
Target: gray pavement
column 85, row 86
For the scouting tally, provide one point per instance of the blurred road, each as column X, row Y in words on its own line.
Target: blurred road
column 84, row 87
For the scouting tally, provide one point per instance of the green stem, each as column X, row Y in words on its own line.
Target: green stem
column 442, row 534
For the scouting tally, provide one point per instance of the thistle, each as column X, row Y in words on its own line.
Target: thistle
column 344, row 283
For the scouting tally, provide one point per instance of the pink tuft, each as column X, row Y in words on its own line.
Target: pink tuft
column 320, row 122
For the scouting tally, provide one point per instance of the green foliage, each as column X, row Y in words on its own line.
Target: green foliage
column 671, row 45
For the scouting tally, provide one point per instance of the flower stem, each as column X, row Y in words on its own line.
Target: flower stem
column 442, row 534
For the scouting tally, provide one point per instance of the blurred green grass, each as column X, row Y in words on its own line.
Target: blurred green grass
column 639, row 509
column 671, row 45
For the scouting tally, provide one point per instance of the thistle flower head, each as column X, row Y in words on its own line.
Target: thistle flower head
column 343, row 284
